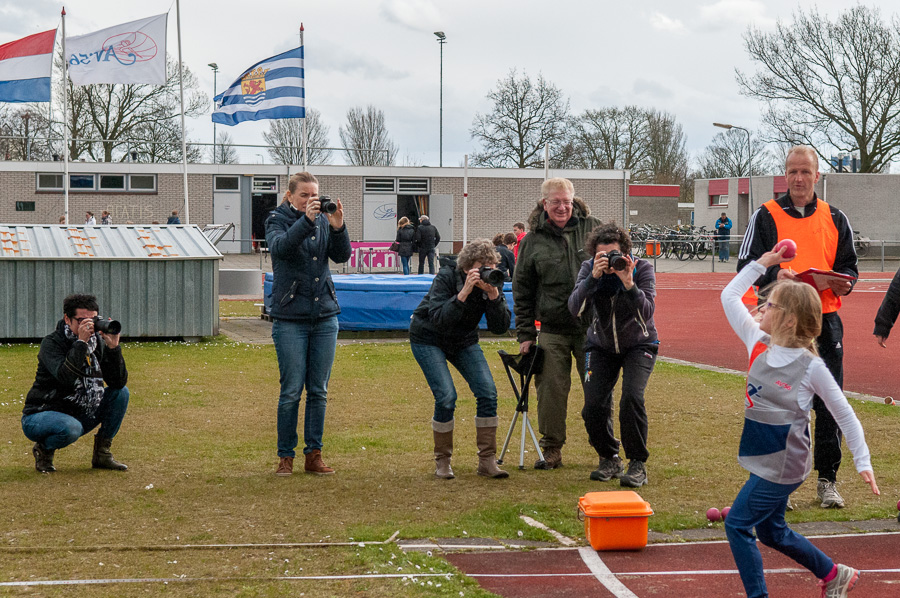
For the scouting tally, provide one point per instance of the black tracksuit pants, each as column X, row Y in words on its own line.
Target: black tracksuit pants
column 827, row 434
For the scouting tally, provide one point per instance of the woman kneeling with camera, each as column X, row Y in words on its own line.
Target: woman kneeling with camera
column 444, row 329
column 619, row 290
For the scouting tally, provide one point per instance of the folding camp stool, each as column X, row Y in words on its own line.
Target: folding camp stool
column 526, row 365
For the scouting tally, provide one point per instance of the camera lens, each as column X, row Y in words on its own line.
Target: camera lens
column 326, row 205
column 492, row 276
column 107, row 326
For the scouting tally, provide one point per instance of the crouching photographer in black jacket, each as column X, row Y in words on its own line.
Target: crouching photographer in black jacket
column 444, row 330
column 619, row 292
column 68, row 398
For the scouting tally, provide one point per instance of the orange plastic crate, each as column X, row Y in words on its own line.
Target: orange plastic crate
column 615, row 520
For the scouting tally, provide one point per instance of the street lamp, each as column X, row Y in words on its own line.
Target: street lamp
column 441, row 39
column 749, row 163
column 215, row 69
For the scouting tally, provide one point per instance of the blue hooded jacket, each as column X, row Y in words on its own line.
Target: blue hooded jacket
column 302, row 289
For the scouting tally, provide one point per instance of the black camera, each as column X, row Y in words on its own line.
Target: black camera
column 326, row 205
column 617, row 261
column 492, row 276
column 107, row 326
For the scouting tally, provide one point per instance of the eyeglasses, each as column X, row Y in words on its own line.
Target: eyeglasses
column 554, row 203
column 770, row 305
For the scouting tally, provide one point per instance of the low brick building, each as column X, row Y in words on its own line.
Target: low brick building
column 373, row 197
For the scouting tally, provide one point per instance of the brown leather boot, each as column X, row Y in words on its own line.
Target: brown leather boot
column 552, row 458
column 285, row 466
column 103, row 458
column 486, row 439
column 443, row 449
column 43, row 458
column 315, row 465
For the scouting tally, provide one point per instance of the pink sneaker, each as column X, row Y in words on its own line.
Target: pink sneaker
column 842, row 583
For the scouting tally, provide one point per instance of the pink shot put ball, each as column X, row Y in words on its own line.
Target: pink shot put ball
column 713, row 514
column 789, row 245
column 725, row 512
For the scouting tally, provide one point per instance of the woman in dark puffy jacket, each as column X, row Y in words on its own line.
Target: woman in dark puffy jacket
column 443, row 331
column 619, row 292
column 405, row 234
column 301, row 240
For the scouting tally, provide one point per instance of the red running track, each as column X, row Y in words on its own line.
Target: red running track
column 692, row 570
column 692, row 327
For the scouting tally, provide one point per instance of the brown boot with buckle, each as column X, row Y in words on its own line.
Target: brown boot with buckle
column 285, row 466
column 315, row 465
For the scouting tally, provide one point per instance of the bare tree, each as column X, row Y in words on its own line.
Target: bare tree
column 24, row 130
column 831, row 85
column 609, row 138
column 223, row 151
column 727, row 156
column 138, row 115
column 525, row 117
column 285, row 136
column 365, row 140
column 666, row 162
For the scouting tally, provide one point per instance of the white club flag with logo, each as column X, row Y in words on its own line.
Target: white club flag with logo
column 132, row 52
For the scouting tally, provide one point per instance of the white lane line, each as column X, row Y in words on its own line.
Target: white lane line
column 80, row 582
column 603, row 574
column 559, row 537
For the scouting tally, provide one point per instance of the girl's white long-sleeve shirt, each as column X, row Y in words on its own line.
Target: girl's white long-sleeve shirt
column 817, row 380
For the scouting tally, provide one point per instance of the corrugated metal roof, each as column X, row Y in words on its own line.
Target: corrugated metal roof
column 115, row 242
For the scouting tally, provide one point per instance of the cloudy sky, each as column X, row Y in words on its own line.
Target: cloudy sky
column 674, row 55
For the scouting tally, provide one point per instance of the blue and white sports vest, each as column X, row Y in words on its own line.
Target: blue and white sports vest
column 775, row 443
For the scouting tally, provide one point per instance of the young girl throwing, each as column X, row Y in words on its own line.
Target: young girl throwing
column 785, row 373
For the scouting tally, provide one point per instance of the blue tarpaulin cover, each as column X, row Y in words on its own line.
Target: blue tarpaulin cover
column 379, row 301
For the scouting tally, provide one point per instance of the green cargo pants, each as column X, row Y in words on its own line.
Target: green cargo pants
column 554, row 382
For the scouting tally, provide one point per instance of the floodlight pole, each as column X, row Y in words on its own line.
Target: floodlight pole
column 441, row 39
column 215, row 69
column 749, row 164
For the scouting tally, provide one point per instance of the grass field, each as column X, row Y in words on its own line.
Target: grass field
column 199, row 438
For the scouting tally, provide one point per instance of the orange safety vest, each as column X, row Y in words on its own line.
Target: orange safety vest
column 816, row 237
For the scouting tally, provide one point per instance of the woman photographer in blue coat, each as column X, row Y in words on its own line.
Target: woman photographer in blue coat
column 301, row 239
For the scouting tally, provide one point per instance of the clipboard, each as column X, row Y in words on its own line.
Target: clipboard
column 819, row 278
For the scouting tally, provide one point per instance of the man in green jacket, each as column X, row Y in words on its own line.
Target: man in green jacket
column 546, row 269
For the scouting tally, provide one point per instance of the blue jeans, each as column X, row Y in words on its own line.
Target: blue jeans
column 404, row 259
column 469, row 362
column 54, row 430
column 305, row 355
column 761, row 504
column 724, row 247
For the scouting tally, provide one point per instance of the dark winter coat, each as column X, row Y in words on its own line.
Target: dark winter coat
column 405, row 237
column 302, row 289
column 507, row 261
column 890, row 307
column 546, row 271
column 442, row 320
column 427, row 236
column 620, row 319
column 62, row 361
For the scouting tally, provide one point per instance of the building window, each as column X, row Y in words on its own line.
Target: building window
column 718, row 200
column 112, row 182
column 81, row 182
column 380, row 185
column 49, row 181
column 413, row 186
column 142, row 182
column 227, row 183
column 24, row 206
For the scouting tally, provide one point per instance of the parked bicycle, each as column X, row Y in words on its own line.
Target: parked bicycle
column 861, row 244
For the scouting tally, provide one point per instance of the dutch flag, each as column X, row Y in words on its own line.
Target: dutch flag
column 280, row 94
column 25, row 67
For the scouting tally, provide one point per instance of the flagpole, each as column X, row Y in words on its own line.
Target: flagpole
column 187, row 209
column 305, row 130
column 65, row 151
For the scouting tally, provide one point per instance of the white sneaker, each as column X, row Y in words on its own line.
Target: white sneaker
column 842, row 583
column 828, row 495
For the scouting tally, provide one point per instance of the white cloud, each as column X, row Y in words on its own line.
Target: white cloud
column 643, row 87
column 418, row 15
column 735, row 12
column 661, row 22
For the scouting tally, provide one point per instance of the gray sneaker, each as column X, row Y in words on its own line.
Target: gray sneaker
column 842, row 583
column 609, row 468
column 789, row 506
column 636, row 476
column 828, row 495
